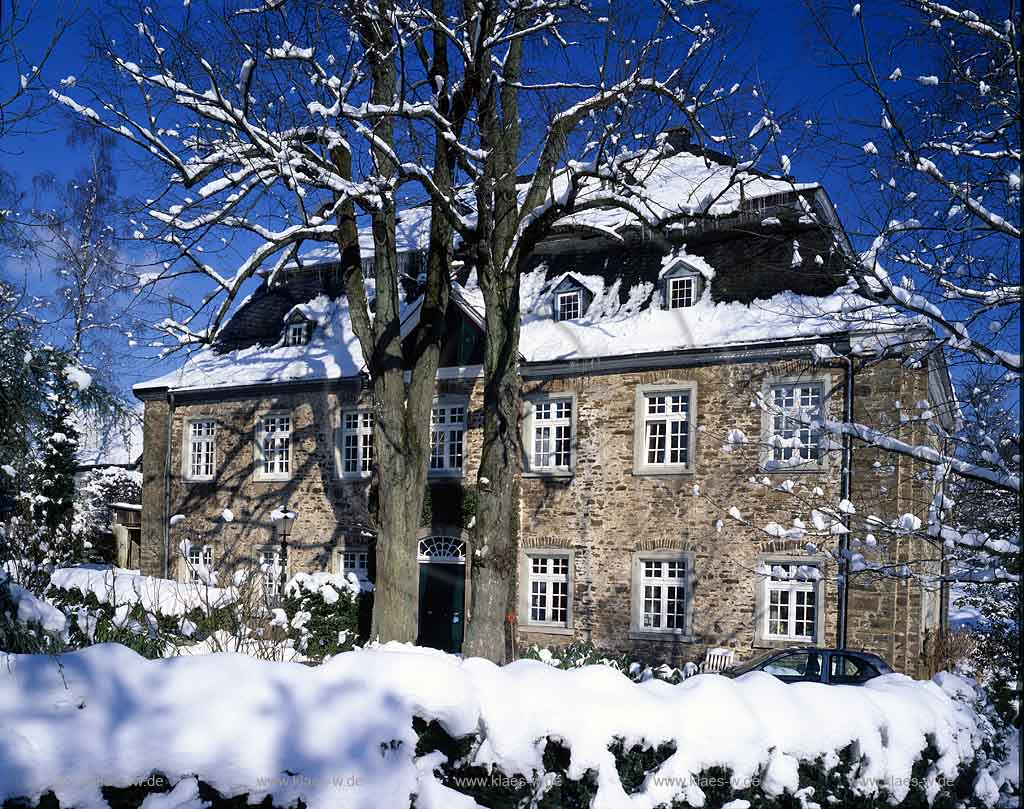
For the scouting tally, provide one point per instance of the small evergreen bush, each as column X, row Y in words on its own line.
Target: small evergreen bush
column 323, row 613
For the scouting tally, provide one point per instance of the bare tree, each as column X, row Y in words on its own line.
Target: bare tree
column 297, row 123
column 21, row 65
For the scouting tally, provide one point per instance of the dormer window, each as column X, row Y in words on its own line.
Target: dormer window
column 683, row 280
column 297, row 333
column 569, row 305
column 570, row 298
column 682, row 291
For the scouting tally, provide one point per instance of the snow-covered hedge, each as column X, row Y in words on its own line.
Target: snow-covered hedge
column 578, row 654
column 153, row 616
column 117, row 587
column 372, row 728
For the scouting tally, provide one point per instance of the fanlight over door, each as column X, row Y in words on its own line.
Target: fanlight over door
column 447, row 550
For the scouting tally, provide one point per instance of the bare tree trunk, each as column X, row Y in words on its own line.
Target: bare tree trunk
column 488, row 631
column 401, row 411
column 497, row 523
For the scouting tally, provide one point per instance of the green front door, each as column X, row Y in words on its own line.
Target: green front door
column 442, row 594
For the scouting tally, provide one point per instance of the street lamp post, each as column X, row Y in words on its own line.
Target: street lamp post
column 284, row 519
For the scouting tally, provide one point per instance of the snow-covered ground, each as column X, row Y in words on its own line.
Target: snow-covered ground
column 340, row 734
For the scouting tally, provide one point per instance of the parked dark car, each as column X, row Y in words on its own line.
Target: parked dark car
column 805, row 664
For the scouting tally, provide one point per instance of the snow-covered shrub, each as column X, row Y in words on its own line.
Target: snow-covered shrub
column 28, row 625
column 91, row 621
column 322, row 612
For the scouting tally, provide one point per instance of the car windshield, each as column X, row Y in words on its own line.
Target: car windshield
column 751, row 664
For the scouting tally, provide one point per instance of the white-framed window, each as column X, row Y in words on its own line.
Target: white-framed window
column 791, row 441
column 199, row 561
column 354, row 559
column 200, row 463
column 664, row 429
column 549, row 589
column 791, row 601
column 550, row 435
column 297, row 334
column 273, row 570
column 569, row 305
column 663, row 592
column 682, row 292
column 356, row 443
column 447, row 434
column 274, row 446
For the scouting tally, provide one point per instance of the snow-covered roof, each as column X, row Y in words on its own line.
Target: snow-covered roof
column 674, row 185
column 625, row 317
column 614, row 325
column 333, row 352
column 639, row 325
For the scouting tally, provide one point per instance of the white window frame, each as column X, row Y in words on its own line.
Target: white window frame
column 670, row 290
column 191, row 568
column 683, row 576
column 548, row 577
column 641, row 465
column 353, row 558
column 450, row 433
column 199, row 442
column 271, row 596
column 261, row 438
column 789, row 587
column 534, row 420
column 770, row 421
column 566, row 296
column 297, row 333
column 362, row 436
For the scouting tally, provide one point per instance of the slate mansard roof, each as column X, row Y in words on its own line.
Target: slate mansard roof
column 769, row 263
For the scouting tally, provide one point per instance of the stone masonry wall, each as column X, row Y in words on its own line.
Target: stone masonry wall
column 604, row 513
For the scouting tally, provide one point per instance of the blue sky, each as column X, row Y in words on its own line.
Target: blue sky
column 777, row 47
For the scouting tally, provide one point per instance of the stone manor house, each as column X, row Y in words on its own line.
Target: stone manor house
column 642, row 355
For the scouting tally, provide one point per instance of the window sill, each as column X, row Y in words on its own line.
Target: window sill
column 353, row 477
column 666, row 471
column 271, row 478
column 562, row 473
column 647, row 634
column 445, row 473
column 544, row 629
column 808, row 468
column 198, row 480
column 780, row 643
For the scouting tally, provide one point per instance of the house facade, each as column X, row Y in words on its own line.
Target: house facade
column 664, row 377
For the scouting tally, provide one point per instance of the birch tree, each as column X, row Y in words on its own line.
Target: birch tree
column 938, row 217
column 943, row 218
